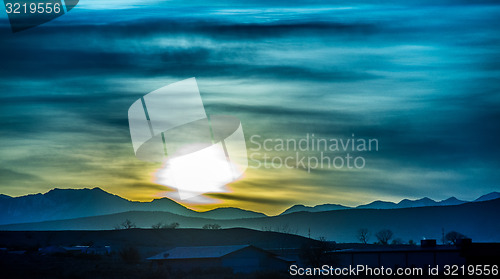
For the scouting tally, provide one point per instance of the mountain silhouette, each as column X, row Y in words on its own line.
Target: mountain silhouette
column 451, row 201
column 378, row 205
column 317, row 208
column 58, row 204
column 488, row 197
column 406, row 203
column 477, row 220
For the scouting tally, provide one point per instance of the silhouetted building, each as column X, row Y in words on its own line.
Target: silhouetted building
column 402, row 256
column 240, row 258
column 426, row 243
column 51, row 250
column 428, row 253
column 92, row 250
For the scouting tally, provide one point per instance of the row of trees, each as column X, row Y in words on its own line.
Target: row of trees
column 211, row 227
column 161, row 225
column 128, row 224
column 384, row 236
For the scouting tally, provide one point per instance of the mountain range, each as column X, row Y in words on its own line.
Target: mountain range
column 477, row 220
column 406, row 203
column 61, row 204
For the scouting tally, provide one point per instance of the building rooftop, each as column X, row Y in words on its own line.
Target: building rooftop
column 199, row 252
column 395, row 248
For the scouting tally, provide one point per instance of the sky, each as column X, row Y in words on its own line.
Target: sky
column 422, row 78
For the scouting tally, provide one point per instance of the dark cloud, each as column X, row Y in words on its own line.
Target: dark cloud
column 144, row 186
column 417, row 142
column 251, row 199
column 181, row 63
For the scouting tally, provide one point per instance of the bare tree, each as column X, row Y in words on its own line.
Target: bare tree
column 211, row 227
column 453, row 236
column 157, row 226
column 397, row 241
column 173, row 225
column 285, row 228
column 384, row 236
column 363, row 235
column 160, row 225
column 127, row 224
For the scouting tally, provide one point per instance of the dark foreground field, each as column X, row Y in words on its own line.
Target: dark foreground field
column 150, row 241
column 21, row 256
column 124, row 254
column 105, row 267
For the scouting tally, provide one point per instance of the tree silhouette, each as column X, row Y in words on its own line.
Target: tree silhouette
column 363, row 235
column 157, row 226
column 211, row 227
column 127, row 224
column 453, row 236
column 160, row 225
column 173, row 225
column 384, row 236
column 397, row 241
